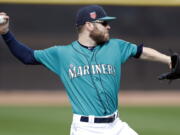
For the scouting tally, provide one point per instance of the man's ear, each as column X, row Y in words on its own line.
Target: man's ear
column 89, row 26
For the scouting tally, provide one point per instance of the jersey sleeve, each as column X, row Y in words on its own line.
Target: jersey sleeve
column 127, row 50
column 49, row 58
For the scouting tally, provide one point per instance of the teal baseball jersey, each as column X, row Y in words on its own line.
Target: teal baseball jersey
column 91, row 77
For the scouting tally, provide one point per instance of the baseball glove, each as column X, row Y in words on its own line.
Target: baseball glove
column 175, row 69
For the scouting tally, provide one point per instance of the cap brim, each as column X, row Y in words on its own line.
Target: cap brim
column 107, row 18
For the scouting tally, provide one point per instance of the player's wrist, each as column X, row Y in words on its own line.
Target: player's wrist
column 4, row 32
column 169, row 62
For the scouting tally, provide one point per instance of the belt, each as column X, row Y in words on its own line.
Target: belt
column 109, row 119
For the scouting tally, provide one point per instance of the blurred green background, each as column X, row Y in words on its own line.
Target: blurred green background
column 57, row 120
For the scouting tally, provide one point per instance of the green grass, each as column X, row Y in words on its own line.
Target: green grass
column 57, row 120
column 153, row 120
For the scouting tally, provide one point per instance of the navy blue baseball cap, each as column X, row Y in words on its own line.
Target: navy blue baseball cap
column 92, row 13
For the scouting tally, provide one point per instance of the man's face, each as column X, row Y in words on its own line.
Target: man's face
column 100, row 33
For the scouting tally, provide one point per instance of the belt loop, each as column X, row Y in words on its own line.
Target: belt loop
column 116, row 114
column 76, row 117
column 91, row 119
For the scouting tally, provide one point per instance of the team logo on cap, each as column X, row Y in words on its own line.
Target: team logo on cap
column 93, row 15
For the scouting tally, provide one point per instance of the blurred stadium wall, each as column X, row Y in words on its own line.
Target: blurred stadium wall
column 53, row 23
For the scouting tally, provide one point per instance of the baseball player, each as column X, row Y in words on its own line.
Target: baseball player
column 90, row 69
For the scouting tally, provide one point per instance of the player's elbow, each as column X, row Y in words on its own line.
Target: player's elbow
column 28, row 60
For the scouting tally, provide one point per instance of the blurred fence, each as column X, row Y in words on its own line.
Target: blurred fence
column 41, row 26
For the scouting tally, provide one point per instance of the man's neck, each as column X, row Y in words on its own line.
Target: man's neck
column 86, row 41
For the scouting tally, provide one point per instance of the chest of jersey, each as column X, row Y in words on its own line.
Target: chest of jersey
column 101, row 60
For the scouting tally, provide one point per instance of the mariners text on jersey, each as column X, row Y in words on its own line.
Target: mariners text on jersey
column 77, row 71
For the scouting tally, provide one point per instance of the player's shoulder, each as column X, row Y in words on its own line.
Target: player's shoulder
column 61, row 47
column 54, row 49
column 117, row 41
column 121, row 42
column 58, row 46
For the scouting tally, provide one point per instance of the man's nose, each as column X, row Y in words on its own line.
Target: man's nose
column 108, row 27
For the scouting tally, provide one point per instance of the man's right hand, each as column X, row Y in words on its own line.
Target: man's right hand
column 4, row 28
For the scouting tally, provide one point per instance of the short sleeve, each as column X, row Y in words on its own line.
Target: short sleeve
column 49, row 58
column 127, row 50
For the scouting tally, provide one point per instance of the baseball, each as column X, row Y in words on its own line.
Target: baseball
column 2, row 20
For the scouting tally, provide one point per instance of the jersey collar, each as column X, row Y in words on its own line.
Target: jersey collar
column 84, row 50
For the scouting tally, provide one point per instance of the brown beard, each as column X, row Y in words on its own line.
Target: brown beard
column 98, row 36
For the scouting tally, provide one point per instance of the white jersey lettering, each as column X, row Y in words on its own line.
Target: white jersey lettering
column 92, row 69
